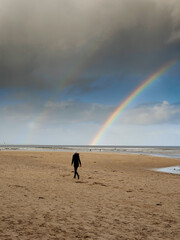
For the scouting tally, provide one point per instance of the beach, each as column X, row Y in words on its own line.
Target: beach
column 118, row 196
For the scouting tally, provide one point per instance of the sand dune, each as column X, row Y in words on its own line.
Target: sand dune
column 116, row 197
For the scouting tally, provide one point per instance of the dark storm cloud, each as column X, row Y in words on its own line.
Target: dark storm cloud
column 141, row 42
column 74, row 42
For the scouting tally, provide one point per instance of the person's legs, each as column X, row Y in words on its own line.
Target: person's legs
column 75, row 172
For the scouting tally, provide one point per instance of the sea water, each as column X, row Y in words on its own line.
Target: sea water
column 161, row 151
column 172, row 169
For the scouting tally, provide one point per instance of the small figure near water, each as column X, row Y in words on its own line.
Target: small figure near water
column 76, row 162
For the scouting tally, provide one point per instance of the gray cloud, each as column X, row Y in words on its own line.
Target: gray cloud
column 54, row 113
column 62, row 122
column 159, row 113
column 46, row 43
column 70, row 113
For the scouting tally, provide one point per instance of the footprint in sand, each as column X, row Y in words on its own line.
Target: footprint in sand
column 98, row 183
column 19, row 186
column 41, row 197
column 80, row 182
column 159, row 204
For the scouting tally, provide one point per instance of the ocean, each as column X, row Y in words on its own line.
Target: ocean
column 161, row 151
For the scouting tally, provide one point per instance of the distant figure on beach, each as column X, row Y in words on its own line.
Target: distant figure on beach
column 76, row 162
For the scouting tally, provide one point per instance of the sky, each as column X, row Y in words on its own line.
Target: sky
column 66, row 65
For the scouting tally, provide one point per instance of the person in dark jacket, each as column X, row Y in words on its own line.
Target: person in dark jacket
column 76, row 162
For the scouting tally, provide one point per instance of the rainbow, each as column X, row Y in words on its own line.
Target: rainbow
column 129, row 99
column 72, row 73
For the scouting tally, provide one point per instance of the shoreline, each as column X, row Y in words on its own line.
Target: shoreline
column 95, row 150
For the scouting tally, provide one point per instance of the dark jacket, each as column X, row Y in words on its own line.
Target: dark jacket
column 76, row 160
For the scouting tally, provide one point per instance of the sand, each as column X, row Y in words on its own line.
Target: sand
column 116, row 197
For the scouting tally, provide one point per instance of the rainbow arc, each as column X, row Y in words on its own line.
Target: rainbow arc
column 129, row 99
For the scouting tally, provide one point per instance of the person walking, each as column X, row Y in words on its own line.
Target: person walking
column 76, row 162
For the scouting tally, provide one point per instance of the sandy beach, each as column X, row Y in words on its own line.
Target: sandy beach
column 116, row 197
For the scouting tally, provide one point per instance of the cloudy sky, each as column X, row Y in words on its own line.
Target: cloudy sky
column 66, row 65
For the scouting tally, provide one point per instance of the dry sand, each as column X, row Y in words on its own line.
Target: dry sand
column 117, row 197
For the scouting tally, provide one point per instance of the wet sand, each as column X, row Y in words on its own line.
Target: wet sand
column 116, row 197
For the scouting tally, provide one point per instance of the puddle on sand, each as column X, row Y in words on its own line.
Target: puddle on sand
column 172, row 169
